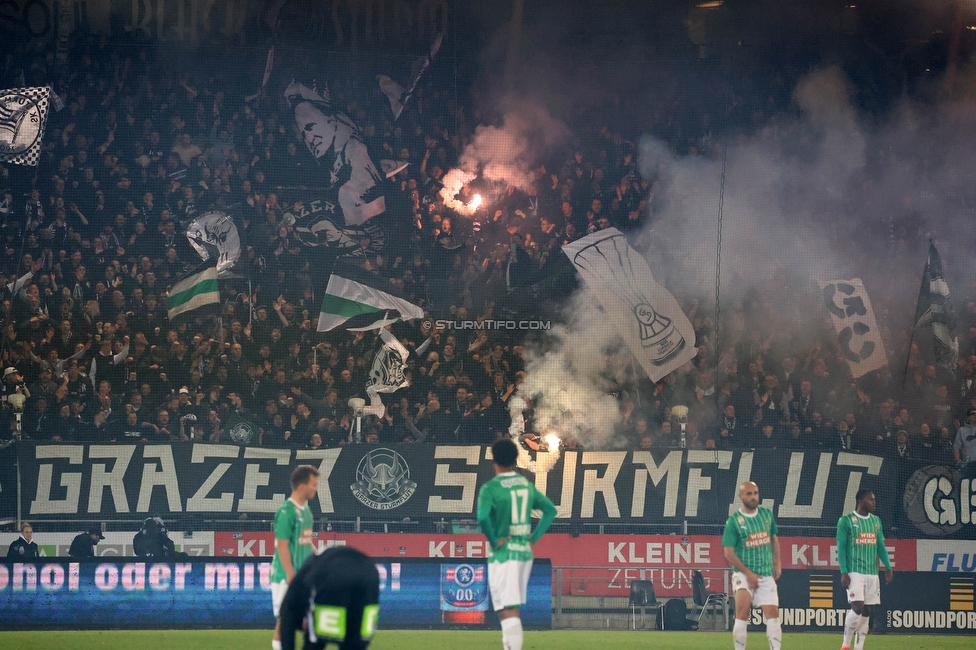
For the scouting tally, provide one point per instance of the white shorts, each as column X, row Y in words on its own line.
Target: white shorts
column 508, row 582
column 864, row 588
column 766, row 594
column 278, row 591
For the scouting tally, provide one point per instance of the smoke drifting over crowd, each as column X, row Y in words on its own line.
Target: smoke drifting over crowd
column 504, row 155
column 819, row 192
column 568, row 377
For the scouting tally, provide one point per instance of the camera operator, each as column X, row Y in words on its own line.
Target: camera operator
column 153, row 541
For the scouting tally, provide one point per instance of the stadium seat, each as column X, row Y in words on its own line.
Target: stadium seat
column 642, row 595
column 706, row 600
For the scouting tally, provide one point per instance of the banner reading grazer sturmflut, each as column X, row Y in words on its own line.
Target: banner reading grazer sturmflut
column 130, row 481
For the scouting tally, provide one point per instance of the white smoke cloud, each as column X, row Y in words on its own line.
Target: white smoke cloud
column 824, row 192
column 505, row 155
column 784, row 189
column 452, row 182
column 567, row 379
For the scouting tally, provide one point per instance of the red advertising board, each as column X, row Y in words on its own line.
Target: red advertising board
column 667, row 560
column 640, row 551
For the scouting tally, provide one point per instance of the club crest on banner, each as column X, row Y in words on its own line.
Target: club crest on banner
column 383, row 480
column 243, row 432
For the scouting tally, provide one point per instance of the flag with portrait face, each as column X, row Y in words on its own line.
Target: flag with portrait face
column 334, row 140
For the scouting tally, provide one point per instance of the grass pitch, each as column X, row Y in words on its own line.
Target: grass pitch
column 453, row 640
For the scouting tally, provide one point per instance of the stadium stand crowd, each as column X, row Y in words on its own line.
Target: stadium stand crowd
column 141, row 146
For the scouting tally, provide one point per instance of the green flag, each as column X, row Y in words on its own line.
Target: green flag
column 346, row 299
column 194, row 291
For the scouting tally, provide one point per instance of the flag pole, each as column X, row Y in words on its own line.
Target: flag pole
column 911, row 340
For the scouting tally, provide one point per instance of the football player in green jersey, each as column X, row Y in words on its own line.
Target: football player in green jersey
column 505, row 505
column 751, row 545
column 293, row 524
column 860, row 543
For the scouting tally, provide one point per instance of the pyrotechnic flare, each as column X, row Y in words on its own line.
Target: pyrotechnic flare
column 453, row 181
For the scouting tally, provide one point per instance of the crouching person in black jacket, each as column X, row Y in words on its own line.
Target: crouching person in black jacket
column 337, row 593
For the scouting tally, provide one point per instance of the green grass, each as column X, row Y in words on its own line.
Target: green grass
column 452, row 640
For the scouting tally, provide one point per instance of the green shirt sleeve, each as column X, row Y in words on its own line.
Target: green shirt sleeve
column 844, row 543
column 542, row 502
column 773, row 528
column 730, row 537
column 484, row 515
column 284, row 523
column 882, row 549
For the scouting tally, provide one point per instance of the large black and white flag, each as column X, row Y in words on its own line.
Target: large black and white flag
column 319, row 222
column 23, row 116
column 857, row 329
column 335, row 141
column 934, row 308
column 397, row 94
column 215, row 235
column 387, row 374
column 646, row 316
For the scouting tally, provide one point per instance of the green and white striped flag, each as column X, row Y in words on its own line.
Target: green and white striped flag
column 194, row 291
column 370, row 306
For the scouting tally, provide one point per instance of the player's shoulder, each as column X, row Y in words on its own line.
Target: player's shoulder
column 508, row 481
column 766, row 513
column 735, row 520
column 489, row 487
column 287, row 508
column 491, row 483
